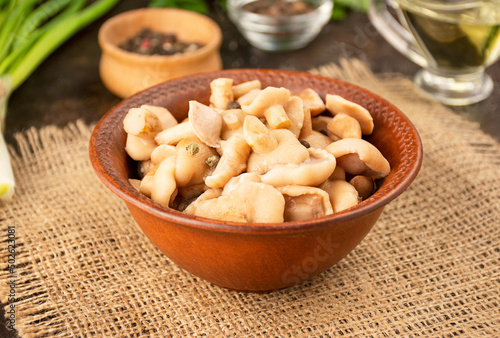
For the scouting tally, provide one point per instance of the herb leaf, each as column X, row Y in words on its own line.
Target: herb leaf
column 198, row 6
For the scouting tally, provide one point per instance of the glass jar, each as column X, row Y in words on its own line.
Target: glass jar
column 278, row 29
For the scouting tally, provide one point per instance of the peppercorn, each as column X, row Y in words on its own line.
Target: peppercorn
column 212, row 161
column 233, row 105
column 192, row 148
column 305, row 144
column 149, row 42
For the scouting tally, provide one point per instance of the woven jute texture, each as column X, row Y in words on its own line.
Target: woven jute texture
column 430, row 266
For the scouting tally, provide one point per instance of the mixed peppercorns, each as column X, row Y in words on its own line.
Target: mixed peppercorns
column 278, row 7
column 149, row 42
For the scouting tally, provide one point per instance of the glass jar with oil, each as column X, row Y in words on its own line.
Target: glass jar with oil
column 454, row 41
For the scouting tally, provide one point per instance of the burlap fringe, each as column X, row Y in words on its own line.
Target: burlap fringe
column 35, row 305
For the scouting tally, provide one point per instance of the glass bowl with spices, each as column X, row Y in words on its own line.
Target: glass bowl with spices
column 144, row 47
column 279, row 25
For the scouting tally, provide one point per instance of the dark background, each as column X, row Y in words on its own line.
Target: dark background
column 67, row 87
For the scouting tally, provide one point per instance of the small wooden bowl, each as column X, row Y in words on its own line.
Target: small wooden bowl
column 255, row 257
column 125, row 73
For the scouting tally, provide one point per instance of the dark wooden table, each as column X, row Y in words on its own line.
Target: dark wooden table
column 67, row 87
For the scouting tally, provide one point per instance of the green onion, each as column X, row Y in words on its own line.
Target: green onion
column 30, row 30
column 44, row 12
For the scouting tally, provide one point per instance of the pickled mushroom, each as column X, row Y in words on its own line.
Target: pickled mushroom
column 342, row 194
column 302, row 202
column 294, row 109
column 221, row 92
column 311, row 136
column 241, row 200
column 337, row 104
column 173, row 135
column 258, row 136
column 312, row 101
column 206, row 123
column 345, row 126
column 289, row 150
column 265, row 99
column 243, row 88
column 191, row 168
column 233, row 161
column 312, row 172
column 359, row 157
column 141, row 126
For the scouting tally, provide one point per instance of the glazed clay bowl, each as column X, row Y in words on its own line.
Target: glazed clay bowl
column 255, row 257
column 125, row 73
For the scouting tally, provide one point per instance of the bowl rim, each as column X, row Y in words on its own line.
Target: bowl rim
column 111, row 48
column 131, row 196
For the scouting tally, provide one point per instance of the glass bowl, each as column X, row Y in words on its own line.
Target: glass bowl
column 280, row 32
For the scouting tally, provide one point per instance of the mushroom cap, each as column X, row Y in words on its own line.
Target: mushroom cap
column 289, row 150
column 364, row 185
column 266, row 98
column 206, row 123
column 312, row 101
column 139, row 148
column 258, row 136
column 368, row 154
column 317, row 139
column 303, row 202
column 337, row 104
column 345, row 126
column 142, row 123
column 174, row 134
column 312, row 172
column 243, row 199
column 164, row 115
column 161, row 152
column 342, row 194
column 320, row 123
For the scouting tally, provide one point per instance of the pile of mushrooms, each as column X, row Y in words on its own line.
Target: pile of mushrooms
column 256, row 155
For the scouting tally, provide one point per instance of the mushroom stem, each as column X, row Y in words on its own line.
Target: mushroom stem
column 221, row 92
column 232, row 162
column 277, row 118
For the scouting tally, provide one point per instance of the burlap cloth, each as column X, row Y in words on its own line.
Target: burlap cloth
column 428, row 268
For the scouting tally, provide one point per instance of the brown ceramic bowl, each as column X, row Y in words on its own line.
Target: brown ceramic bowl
column 255, row 257
column 125, row 73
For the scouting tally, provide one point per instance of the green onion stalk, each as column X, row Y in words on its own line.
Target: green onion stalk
column 30, row 30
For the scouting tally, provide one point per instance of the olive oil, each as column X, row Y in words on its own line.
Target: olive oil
column 465, row 37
